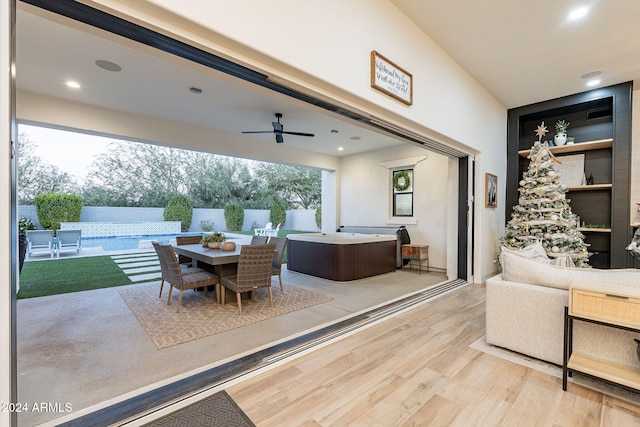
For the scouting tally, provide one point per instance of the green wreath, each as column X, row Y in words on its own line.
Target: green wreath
column 401, row 180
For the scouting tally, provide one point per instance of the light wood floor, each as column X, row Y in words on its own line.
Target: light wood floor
column 417, row 369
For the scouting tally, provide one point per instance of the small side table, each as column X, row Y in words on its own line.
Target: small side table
column 615, row 307
column 417, row 253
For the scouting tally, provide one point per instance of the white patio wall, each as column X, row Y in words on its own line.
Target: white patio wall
column 296, row 219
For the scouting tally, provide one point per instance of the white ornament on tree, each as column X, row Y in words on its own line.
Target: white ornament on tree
column 555, row 249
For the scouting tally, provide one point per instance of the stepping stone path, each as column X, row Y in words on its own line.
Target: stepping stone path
column 139, row 266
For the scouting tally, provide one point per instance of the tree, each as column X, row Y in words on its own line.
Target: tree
column 137, row 174
column 214, row 181
column 35, row 176
column 300, row 187
column 543, row 212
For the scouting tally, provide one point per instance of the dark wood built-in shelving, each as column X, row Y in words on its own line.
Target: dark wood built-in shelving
column 605, row 140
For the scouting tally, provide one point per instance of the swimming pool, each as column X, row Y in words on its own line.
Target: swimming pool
column 127, row 242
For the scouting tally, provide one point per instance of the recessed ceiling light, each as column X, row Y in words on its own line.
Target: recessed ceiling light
column 73, row 85
column 355, row 138
column 591, row 75
column 340, row 148
column 195, row 90
column 594, row 82
column 108, row 65
column 578, row 13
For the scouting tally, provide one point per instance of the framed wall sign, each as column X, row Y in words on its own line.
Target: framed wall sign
column 387, row 77
column 490, row 190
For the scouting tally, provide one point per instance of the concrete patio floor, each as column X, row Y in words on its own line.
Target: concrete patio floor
column 87, row 349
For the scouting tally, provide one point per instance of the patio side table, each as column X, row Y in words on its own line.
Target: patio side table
column 416, row 253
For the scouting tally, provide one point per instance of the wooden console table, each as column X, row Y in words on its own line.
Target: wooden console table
column 415, row 253
column 616, row 307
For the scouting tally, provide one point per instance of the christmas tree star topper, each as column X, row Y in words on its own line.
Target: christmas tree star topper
column 541, row 131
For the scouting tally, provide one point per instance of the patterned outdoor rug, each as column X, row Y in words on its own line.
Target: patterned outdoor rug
column 201, row 317
column 219, row 410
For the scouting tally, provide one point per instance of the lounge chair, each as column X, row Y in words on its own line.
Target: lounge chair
column 69, row 240
column 262, row 231
column 272, row 232
column 40, row 241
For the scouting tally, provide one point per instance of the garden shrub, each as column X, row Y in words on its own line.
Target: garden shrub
column 319, row 216
column 54, row 208
column 278, row 214
column 234, row 216
column 178, row 208
column 206, row 225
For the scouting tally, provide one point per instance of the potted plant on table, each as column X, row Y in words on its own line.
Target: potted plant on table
column 213, row 240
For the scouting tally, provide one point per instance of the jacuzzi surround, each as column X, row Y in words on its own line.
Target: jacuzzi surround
column 342, row 256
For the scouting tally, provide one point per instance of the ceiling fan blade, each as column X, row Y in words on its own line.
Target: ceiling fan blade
column 279, row 138
column 257, row 131
column 299, row 133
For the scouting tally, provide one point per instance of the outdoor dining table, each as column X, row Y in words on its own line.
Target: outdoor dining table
column 222, row 263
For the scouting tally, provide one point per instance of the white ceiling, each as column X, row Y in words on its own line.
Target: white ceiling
column 520, row 51
column 52, row 49
column 525, row 51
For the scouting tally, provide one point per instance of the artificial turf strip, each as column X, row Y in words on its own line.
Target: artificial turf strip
column 61, row 276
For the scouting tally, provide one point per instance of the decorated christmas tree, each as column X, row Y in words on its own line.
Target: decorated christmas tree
column 543, row 212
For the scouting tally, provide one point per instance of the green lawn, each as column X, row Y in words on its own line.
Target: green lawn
column 61, row 276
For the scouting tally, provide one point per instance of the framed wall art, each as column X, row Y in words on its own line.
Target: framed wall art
column 490, row 190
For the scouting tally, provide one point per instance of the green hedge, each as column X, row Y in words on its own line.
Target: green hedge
column 278, row 214
column 54, row 208
column 234, row 216
column 319, row 216
column 178, row 208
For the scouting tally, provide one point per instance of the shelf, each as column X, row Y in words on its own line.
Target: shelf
column 574, row 148
column 592, row 187
column 610, row 371
column 594, row 230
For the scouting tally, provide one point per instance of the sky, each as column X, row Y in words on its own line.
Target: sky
column 72, row 152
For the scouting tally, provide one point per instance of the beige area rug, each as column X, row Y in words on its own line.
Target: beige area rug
column 556, row 371
column 201, row 317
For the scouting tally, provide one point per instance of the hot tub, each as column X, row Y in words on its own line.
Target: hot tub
column 342, row 256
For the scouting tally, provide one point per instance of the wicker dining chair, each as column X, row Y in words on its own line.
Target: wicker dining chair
column 180, row 277
column 186, row 269
column 259, row 240
column 276, row 266
column 254, row 272
column 186, row 240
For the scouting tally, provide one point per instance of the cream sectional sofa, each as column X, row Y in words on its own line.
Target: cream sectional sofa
column 525, row 310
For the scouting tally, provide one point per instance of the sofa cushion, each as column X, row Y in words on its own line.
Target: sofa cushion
column 533, row 251
column 517, row 268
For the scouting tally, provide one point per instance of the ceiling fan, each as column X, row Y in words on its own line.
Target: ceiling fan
column 278, row 129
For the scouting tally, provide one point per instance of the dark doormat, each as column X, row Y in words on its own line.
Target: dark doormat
column 214, row 411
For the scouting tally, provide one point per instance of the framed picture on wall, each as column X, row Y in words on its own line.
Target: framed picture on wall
column 490, row 190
